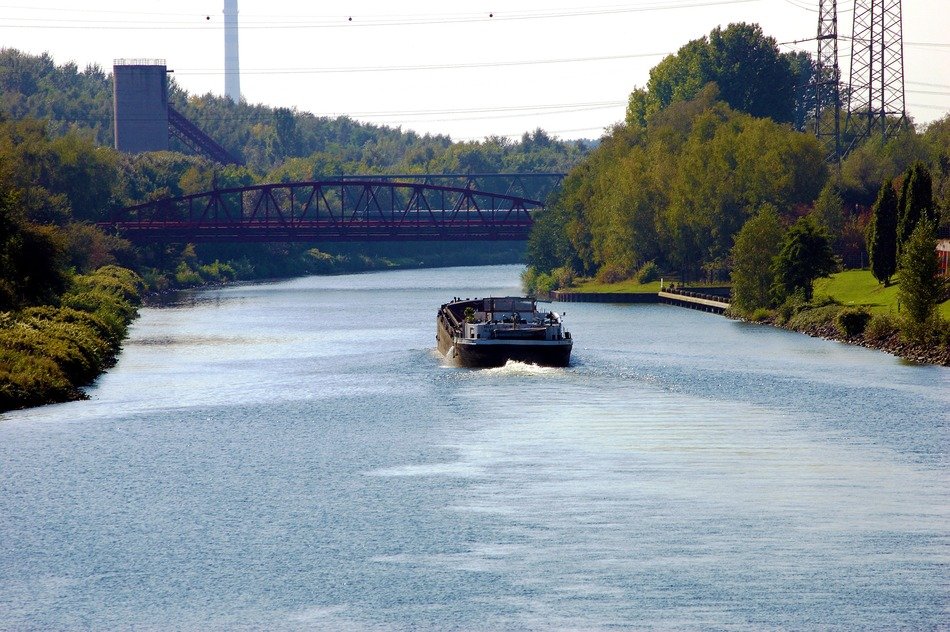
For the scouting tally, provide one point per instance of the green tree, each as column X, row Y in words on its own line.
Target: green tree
column 829, row 210
column 805, row 255
column 918, row 284
column 756, row 246
column 32, row 258
column 752, row 74
column 882, row 234
column 915, row 202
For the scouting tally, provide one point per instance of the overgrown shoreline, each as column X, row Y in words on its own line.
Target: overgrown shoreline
column 49, row 352
column 890, row 342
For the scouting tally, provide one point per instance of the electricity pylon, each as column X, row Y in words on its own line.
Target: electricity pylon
column 828, row 80
column 876, row 88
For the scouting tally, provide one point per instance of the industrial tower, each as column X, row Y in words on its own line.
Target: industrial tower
column 828, row 80
column 876, row 89
column 232, row 61
column 145, row 120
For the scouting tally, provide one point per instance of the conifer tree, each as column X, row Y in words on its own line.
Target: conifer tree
column 918, row 284
column 916, row 202
column 805, row 256
column 882, row 234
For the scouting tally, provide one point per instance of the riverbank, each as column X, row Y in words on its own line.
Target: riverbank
column 881, row 334
column 49, row 352
column 879, row 330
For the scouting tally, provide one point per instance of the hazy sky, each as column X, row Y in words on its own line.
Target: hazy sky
column 447, row 66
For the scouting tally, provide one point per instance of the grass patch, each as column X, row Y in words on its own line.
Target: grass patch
column 859, row 287
column 629, row 286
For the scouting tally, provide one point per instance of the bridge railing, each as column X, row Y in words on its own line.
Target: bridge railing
column 332, row 209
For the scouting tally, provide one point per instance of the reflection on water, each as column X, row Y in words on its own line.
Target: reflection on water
column 296, row 456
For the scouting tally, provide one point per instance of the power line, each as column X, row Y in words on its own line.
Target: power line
column 348, row 22
column 596, row 105
column 349, row 69
column 929, row 85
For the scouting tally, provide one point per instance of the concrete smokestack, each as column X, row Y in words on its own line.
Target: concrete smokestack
column 232, row 60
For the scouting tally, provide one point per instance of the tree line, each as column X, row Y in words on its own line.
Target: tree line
column 709, row 179
column 270, row 141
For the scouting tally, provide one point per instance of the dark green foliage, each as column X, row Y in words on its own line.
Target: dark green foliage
column 32, row 257
column 852, row 321
column 756, row 246
column 882, row 234
column 915, row 202
column 919, row 287
column 548, row 245
column 805, row 255
column 752, row 74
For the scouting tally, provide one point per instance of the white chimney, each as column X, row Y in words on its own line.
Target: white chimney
column 232, row 61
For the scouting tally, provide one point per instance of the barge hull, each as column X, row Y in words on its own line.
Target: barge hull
column 497, row 355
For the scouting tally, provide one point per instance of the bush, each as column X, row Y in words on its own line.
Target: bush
column 612, row 273
column 762, row 314
column 810, row 319
column 127, row 289
column 648, row 273
column 73, row 352
column 563, row 277
column 29, row 380
column 47, row 352
column 216, row 271
column 185, row 276
column 932, row 332
column 880, row 327
column 69, row 315
column 852, row 321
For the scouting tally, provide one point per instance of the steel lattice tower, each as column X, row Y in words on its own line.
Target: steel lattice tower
column 828, row 79
column 876, row 89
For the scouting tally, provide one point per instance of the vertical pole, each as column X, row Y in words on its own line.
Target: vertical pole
column 232, row 62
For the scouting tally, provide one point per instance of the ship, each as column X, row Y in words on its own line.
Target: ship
column 488, row 332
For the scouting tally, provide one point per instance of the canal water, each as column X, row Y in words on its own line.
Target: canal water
column 295, row 455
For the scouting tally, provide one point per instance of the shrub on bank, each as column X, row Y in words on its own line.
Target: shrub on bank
column 613, row 273
column 852, row 321
column 760, row 315
column 881, row 327
column 47, row 352
column 648, row 273
column 812, row 320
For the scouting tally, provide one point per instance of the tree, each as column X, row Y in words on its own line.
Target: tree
column 882, row 234
column 915, row 202
column 829, row 210
column 918, row 284
column 805, row 256
column 756, row 245
column 32, row 258
column 752, row 74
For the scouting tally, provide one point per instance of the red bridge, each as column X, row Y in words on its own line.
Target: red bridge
column 343, row 209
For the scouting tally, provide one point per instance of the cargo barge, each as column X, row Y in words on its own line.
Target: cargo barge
column 489, row 332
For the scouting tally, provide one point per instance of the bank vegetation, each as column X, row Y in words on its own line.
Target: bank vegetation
column 714, row 177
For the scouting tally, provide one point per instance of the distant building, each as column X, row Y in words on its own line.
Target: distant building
column 140, row 103
column 943, row 256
